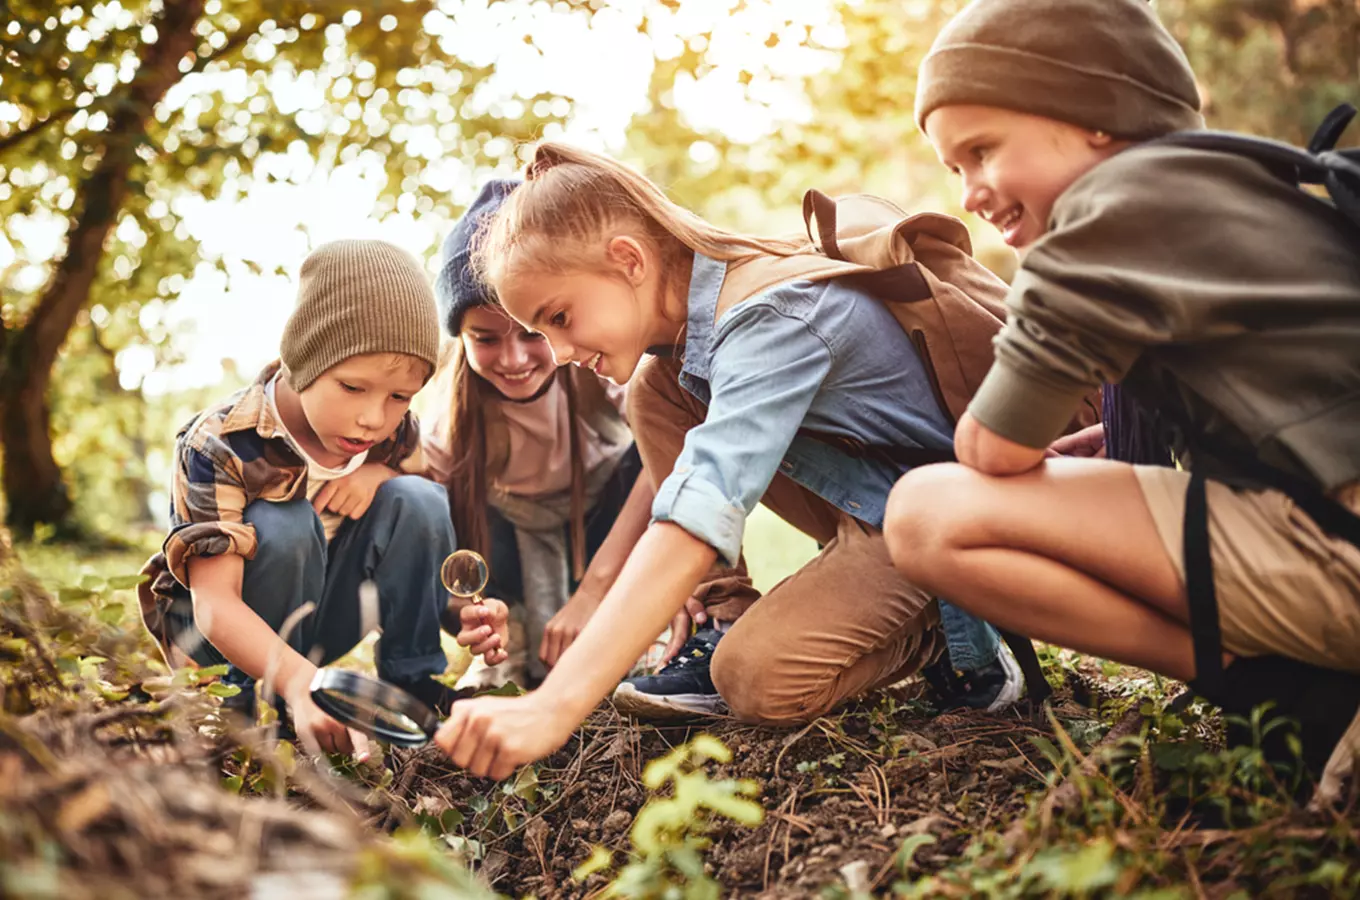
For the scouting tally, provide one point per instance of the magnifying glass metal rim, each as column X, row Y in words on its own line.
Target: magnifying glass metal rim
column 470, row 555
column 330, row 686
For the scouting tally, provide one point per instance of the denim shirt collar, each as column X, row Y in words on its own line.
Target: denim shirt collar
column 705, row 282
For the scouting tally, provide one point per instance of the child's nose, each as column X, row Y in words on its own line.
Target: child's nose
column 514, row 355
column 974, row 192
column 370, row 416
column 562, row 353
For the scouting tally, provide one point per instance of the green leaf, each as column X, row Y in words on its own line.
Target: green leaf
column 73, row 595
column 907, row 853
column 126, row 582
column 213, row 671
column 112, row 614
column 1076, row 871
column 91, row 583
column 218, row 689
column 233, row 783
column 1047, row 748
column 524, row 785
column 598, row 860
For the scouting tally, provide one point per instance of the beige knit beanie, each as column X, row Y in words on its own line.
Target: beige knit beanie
column 357, row 297
column 1105, row 65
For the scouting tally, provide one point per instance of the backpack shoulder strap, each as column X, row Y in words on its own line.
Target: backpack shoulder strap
column 758, row 273
column 1320, row 164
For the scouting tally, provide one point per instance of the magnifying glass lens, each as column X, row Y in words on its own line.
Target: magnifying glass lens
column 369, row 716
column 464, row 573
column 378, row 709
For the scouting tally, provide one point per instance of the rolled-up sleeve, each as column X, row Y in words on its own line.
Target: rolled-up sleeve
column 209, row 506
column 766, row 369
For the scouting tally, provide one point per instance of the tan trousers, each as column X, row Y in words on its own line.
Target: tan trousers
column 842, row 625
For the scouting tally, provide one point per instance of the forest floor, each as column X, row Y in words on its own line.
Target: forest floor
column 118, row 779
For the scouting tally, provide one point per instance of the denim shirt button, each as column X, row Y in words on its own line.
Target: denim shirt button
column 785, row 466
column 852, row 504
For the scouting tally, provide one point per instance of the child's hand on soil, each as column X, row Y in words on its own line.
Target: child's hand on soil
column 494, row 736
column 486, row 630
column 563, row 628
column 319, row 733
column 352, row 495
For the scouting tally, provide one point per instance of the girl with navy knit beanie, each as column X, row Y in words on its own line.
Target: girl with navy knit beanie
column 539, row 463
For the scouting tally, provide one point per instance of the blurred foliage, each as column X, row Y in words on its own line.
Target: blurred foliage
column 1271, row 67
column 266, row 84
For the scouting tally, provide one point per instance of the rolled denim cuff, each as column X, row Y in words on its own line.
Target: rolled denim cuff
column 701, row 509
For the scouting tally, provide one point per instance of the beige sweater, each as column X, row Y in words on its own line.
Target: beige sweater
column 540, row 444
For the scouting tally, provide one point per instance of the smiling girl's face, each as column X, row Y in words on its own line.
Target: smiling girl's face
column 515, row 361
column 602, row 320
column 1014, row 166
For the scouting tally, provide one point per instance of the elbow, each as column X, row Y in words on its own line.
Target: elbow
column 1004, row 465
column 206, row 613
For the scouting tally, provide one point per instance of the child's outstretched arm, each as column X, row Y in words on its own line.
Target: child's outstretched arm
column 251, row 645
column 495, row 735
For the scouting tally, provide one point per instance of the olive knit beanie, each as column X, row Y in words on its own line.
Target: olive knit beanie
column 357, row 297
column 1104, row 65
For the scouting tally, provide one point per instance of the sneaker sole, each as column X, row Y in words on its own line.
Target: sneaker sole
column 630, row 701
column 1015, row 681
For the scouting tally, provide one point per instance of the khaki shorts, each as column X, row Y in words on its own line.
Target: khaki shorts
column 1284, row 585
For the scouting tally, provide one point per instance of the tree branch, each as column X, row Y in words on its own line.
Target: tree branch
column 13, row 140
column 103, row 192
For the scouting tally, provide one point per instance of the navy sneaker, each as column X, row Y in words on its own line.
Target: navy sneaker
column 681, row 689
column 993, row 687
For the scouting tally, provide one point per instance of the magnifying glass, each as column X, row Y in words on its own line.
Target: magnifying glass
column 374, row 707
column 465, row 574
column 384, row 711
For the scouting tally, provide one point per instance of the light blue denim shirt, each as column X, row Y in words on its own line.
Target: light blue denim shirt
column 810, row 355
column 820, row 356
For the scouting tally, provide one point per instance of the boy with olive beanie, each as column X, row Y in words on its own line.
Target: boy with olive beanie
column 1226, row 303
column 290, row 494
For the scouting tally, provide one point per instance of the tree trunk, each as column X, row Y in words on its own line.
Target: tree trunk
column 34, row 490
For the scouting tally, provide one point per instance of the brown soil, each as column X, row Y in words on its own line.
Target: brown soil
column 842, row 792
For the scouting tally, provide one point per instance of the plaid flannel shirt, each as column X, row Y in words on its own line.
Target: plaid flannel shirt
column 226, row 458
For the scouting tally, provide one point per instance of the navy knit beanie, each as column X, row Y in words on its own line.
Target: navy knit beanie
column 457, row 287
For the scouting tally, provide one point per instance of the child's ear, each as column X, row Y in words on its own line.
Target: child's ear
column 628, row 256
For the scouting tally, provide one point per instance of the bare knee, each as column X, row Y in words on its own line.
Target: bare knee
column 927, row 512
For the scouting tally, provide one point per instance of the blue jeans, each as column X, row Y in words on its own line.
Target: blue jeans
column 972, row 642
column 398, row 544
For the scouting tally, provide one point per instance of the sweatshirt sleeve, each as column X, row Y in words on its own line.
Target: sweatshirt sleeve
column 1156, row 246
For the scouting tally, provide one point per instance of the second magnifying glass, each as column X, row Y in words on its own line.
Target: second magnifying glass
column 465, row 575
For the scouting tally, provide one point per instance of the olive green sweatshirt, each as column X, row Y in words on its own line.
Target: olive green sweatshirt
column 1201, row 281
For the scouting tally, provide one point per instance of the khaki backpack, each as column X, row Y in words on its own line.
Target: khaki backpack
column 920, row 267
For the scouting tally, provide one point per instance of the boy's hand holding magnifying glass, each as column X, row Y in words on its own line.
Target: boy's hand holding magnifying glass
column 484, row 623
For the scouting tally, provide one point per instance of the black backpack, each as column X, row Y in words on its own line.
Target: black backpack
column 1338, row 171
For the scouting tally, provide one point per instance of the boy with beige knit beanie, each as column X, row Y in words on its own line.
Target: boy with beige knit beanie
column 290, row 494
column 1223, row 299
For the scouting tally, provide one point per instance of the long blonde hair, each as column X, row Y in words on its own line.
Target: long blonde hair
column 573, row 200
